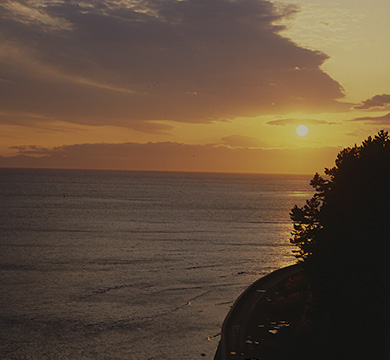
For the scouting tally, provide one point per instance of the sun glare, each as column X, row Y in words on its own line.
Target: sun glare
column 302, row 130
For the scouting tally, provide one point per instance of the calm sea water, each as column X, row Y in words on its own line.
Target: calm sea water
column 133, row 265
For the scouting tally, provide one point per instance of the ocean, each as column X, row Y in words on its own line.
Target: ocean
column 133, row 265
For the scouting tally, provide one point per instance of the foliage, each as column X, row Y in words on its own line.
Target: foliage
column 342, row 234
column 351, row 202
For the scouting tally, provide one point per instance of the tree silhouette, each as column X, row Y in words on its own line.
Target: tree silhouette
column 342, row 235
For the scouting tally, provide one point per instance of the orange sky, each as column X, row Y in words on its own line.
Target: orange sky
column 193, row 85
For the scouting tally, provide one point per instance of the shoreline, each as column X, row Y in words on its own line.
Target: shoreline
column 235, row 338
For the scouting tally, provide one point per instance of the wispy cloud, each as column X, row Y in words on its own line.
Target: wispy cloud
column 284, row 122
column 242, row 141
column 375, row 103
column 33, row 12
column 324, row 24
column 376, row 120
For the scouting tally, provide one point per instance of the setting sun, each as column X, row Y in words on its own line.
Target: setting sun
column 302, row 130
column 154, row 106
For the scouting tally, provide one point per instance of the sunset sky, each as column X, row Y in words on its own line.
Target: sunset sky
column 191, row 85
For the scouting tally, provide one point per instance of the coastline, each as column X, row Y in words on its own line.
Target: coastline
column 237, row 334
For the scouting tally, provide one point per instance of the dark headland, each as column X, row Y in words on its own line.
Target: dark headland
column 258, row 322
column 334, row 304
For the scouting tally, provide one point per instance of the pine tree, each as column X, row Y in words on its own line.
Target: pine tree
column 342, row 235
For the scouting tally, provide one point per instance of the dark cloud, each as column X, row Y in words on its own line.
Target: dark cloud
column 284, row 122
column 375, row 120
column 173, row 157
column 378, row 101
column 32, row 150
column 127, row 62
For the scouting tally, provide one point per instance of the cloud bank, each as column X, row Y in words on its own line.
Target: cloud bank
column 131, row 63
column 174, row 157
